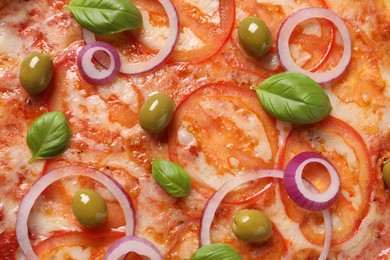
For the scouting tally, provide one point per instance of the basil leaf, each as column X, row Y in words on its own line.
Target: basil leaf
column 294, row 98
column 216, row 252
column 106, row 16
column 48, row 136
column 171, row 177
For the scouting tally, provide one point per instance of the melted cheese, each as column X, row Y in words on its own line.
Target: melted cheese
column 92, row 109
column 208, row 8
column 10, row 42
column 72, row 252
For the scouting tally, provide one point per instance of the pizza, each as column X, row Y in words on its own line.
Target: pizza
column 211, row 129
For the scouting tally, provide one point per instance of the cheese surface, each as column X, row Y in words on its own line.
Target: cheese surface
column 219, row 130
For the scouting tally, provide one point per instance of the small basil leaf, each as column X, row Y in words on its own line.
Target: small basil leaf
column 294, row 98
column 216, row 252
column 48, row 136
column 171, row 177
column 106, row 16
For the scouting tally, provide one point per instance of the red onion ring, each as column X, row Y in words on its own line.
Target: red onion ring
column 300, row 193
column 56, row 174
column 161, row 56
column 287, row 28
column 88, row 70
column 215, row 200
column 132, row 244
column 328, row 234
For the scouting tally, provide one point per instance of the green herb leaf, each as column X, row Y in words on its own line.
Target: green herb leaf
column 216, row 252
column 106, row 16
column 294, row 98
column 171, row 177
column 48, row 136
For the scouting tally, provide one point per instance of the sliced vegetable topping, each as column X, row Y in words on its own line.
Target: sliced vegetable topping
column 161, row 56
column 156, row 113
column 304, row 195
column 36, row 72
column 252, row 226
column 294, row 98
column 132, row 244
column 171, row 177
column 254, row 36
column 286, row 30
column 49, row 135
column 88, row 70
column 106, row 16
column 216, row 252
column 89, row 208
column 31, row 196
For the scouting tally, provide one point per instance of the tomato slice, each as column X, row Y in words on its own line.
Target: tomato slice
column 210, row 29
column 65, row 244
column 221, row 130
column 344, row 147
column 212, row 34
column 362, row 82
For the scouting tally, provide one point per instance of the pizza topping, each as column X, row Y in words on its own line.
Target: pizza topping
column 294, row 98
column 254, row 36
column 49, row 135
column 301, row 193
column 59, row 173
column 171, row 177
column 35, row 72
column 128, row 244
column 252, row 226
column 88, row 70
column 216, row 252
column 156, row 113
column 386, row 172
column 106, row 16
column 89, row 208
column 164, row 53
column 287, row 29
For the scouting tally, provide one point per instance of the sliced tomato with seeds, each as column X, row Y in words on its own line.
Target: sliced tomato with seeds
column 346, row 150
column 212, row 34
column 74, row 244
column 362, row 82
column 221, row 130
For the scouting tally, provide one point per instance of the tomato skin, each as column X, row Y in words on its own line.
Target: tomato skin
column 232, row 149
column 96, row 241
column 361, row 177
